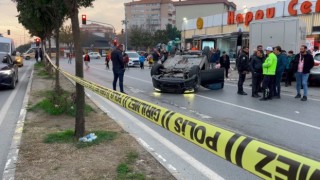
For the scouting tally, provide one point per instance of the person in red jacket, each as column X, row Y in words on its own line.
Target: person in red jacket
column 107, row 60
column 86, row 60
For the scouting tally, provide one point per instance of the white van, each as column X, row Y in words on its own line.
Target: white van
column 7, row 46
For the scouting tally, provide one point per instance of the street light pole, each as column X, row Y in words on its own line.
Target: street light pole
column 125, row 22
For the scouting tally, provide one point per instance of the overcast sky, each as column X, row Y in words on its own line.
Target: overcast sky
column 108, row 11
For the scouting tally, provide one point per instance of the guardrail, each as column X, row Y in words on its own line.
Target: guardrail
column 261, row 159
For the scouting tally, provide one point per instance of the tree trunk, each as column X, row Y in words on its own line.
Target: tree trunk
column 57, row 85
column 49, row 39
column 80, row 101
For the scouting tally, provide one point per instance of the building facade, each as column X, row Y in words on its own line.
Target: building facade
column 190, row 9
column 222, row 30
column 150, row 14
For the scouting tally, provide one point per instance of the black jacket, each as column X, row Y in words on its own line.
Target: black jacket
column 117, row 59
column 243, row 62
column 308, row 63
column 226, row 63
column 256, row 64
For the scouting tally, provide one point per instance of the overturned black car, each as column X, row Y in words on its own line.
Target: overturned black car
column 185, row 73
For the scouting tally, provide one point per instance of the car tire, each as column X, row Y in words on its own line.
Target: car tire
column 27, row 58
column 212, row 76
column 195, row 70
column 155, row 70
column 13, row 82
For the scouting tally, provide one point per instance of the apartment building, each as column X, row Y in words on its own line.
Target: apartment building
column 191, row 9
column 150, row 14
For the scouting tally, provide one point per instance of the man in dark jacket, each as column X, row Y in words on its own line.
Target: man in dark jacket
column 225, row 62
column 243, row 69
column 256, row 67
column 118, row 67
column 281, row 65
column 301, row 66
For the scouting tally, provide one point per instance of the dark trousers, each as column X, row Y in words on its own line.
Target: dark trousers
column 276, row 84
column 118, row 74
column 256, row 82
column 142, row 65
column 267, row 85
column 289, row 75
column 107, row 64
column 227, row 71
column 242, row 78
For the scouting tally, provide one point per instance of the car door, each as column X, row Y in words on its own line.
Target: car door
column 12, row 66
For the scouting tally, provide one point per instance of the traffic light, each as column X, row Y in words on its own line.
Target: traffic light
column 37, row 42
column 122, row 31
column 8, row 32
column 84, row 19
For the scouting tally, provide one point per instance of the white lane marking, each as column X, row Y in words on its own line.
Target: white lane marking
column 160, row 157
column 182, row 154
column 13, row 94
column 249, row 109
column 297, row 112
column 228, row 84
column 261, row 112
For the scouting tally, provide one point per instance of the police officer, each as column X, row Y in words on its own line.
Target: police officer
column 243, row 69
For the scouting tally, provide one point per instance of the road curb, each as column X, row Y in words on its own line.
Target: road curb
column 10, row 167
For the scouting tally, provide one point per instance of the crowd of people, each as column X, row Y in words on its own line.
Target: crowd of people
column 268, row 68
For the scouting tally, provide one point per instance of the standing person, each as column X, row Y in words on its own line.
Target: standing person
column 281, row 65
column 126, row 60
column 40, row 54
column 36, row 55
column 107, row 60
column 243, row 69
column 69, row 58
column 141, row 60
column 155, row 56
column 86, row 60
column 289, row 73
column 256, row 67
column 225, row 62
column 212, row 59
column 301, row 66
column 269, row 71
column 118, row 67
column 150, row 60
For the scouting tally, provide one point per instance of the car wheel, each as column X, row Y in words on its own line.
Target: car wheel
column 155, row 70
column 27, row 58
column 195, row 70
column 212, row 76
column 13, row 82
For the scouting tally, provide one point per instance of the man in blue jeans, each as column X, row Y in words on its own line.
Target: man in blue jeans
column 118, row 67
column 281, row 65
column 302, row 64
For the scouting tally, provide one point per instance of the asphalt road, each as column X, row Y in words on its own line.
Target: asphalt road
column 287, row 123
column 10, row 106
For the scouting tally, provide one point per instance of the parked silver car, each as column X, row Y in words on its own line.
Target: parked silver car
column 315, row 71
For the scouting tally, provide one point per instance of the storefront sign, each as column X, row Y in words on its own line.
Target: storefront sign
column 199, row 23
column 269, row 13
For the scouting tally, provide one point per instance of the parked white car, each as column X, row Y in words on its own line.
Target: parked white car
column 133, row 58
column 93, row 55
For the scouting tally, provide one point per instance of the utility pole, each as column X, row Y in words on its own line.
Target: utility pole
column 125, row 22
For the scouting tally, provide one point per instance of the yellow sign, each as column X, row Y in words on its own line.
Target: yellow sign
column 199, row 23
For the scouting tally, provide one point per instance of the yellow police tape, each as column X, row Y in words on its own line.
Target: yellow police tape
column 261, row 159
